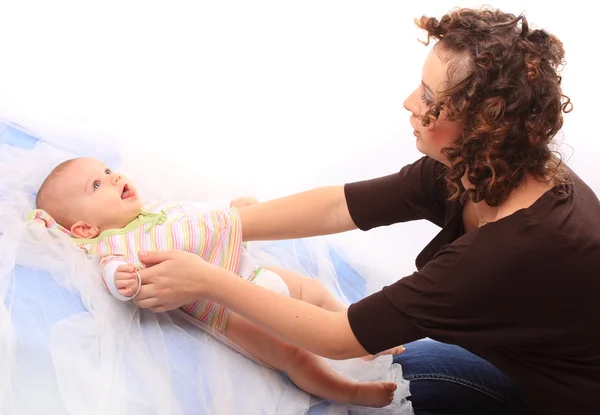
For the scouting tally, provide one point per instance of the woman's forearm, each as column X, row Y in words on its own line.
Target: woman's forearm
column 325, row 333
column 320, row 211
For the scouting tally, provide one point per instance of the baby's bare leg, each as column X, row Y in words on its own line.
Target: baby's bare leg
column 308, row 371
column 308, row 289
column 312, row 291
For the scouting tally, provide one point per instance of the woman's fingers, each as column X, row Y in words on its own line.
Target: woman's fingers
column 173, row 279
column 148, row 302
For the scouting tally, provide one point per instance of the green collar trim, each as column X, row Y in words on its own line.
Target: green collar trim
column 143, row 219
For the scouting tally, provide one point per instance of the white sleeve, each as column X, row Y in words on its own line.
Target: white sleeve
column 108, row 275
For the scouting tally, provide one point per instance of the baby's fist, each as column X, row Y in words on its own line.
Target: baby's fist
column 126, row 280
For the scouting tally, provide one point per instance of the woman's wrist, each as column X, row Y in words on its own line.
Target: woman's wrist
column 212, row 275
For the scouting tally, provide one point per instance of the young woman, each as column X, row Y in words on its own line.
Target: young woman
column 514, row 274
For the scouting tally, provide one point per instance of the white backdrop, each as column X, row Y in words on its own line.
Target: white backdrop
column 222, row 99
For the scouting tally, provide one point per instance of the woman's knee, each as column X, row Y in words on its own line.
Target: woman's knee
column 448, row 379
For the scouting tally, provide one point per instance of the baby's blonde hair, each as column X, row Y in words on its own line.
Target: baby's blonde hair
column 49, row 200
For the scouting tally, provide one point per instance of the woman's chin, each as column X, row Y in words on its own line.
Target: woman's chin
column 420, row 147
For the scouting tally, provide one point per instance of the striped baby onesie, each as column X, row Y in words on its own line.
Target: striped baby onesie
column 216, row 236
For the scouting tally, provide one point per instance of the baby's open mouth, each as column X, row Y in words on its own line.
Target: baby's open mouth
column 126, row 192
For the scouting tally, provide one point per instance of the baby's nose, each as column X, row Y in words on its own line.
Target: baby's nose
column 115, row 178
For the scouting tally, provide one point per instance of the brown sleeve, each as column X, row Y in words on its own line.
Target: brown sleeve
column 416, row 192
column 401, row 312
column 459, row 297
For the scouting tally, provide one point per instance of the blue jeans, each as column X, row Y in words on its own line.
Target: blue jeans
column 446, row 379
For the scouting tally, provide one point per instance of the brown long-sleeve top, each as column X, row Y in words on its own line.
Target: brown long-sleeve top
column 522, row 292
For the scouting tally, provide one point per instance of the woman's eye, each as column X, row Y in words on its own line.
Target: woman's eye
column 427, row 101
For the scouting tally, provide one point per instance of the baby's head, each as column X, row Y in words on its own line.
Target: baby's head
column 86, row 197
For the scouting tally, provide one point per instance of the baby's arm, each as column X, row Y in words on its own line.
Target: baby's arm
column 117, row 276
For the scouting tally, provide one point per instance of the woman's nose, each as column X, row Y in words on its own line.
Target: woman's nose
column 410, row 103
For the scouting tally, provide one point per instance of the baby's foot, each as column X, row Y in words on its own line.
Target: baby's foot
column 392, row 351
column 373, row 394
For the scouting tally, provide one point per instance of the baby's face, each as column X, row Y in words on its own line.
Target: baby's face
column 98, row 196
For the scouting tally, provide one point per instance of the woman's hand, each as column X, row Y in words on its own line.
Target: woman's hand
column 172, row 279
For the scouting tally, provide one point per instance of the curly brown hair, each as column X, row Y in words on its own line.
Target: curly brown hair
column 505, row 90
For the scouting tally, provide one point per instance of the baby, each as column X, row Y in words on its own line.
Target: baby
column 102, row 213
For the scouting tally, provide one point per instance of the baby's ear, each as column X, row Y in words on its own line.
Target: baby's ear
column 83, row 230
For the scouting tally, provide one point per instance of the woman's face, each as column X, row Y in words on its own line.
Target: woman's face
column 439, row 133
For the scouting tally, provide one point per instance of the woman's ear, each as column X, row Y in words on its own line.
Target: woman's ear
column 83, row 230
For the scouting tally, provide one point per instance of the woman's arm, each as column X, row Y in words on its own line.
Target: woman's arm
column 320, row 211
column 180, row 278
column 325, row 333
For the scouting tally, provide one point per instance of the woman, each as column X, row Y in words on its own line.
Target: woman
column 513, row 274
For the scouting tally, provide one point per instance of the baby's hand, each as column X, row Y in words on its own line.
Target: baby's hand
column 126, row 280
column 243, row 201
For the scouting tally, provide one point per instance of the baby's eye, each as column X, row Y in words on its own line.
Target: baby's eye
column 96, row 185
column 107, row 172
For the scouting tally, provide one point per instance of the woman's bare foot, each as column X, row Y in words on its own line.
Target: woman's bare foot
column 373, row 394
column 393, row 350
